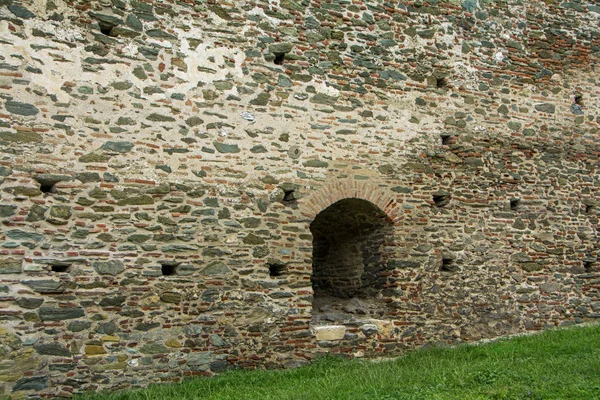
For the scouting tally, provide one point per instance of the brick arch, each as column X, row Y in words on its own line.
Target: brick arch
column 318, row 201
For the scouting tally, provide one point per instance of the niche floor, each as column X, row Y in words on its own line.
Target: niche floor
column 333, row 310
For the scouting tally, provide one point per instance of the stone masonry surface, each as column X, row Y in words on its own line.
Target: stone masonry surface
column 193, row 186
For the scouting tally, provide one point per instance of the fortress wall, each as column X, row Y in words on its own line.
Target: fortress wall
column 161, row 164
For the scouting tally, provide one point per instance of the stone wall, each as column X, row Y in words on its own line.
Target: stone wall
column 162, row 163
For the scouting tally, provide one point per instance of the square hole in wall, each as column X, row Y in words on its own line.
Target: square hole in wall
column 60, row 268
column 169, row 268
column 446, row 139
column 107, row 29
column 279, row 58
column 441, row 199
column 514, row 204
column 47, row 185
column 588, row 265
column 276, row 269
column 442, row 82
column 448, row 265
column 290, row 194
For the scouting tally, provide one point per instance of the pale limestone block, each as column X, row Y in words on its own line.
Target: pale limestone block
column 330, row 332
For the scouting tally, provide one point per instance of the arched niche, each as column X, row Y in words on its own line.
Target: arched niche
column 350, row 257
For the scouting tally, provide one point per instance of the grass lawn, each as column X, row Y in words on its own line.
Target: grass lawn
column 559, row 364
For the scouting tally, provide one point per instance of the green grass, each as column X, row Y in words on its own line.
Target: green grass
column 560, row 364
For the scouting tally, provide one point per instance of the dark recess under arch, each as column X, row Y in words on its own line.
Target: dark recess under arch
column 349, row 249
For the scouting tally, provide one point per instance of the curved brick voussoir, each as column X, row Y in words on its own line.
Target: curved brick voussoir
column 329, row 194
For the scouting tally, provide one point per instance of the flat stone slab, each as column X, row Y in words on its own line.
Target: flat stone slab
column 329, row 332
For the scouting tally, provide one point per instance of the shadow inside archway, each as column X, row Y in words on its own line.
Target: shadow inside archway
column 350, row 260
